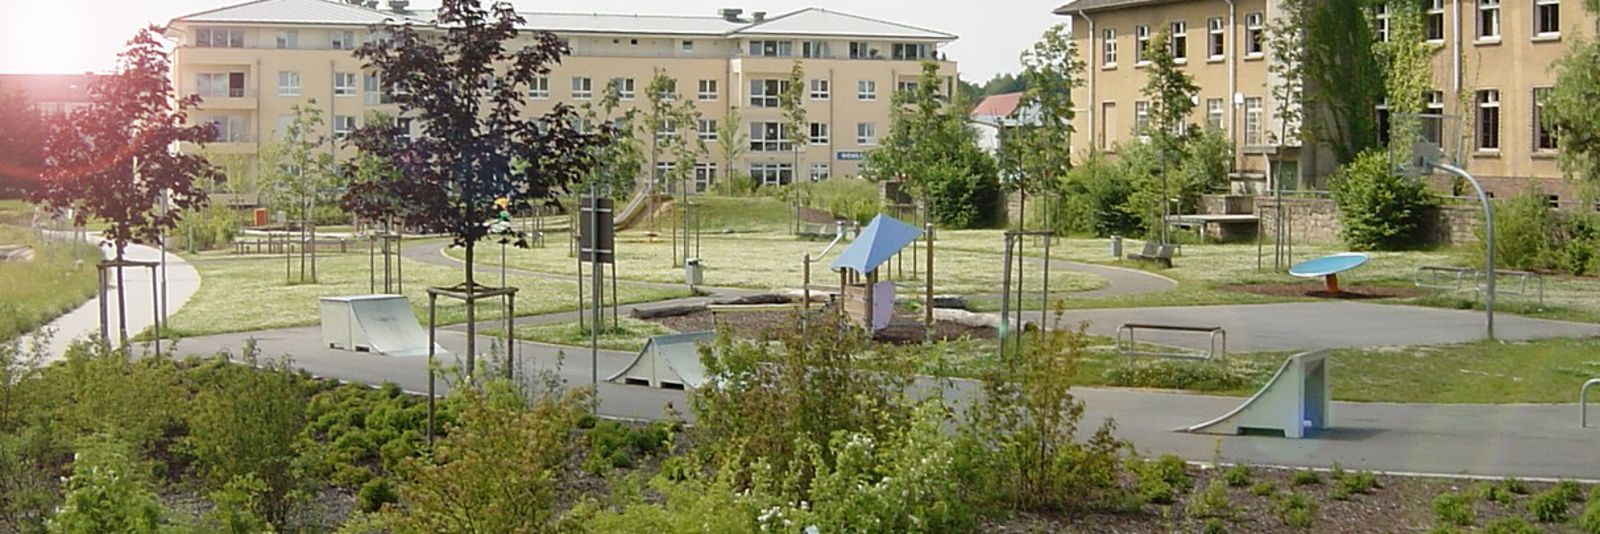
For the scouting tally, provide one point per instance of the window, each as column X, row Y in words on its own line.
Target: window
column 669, row 90
column 288, row 39
column 343, row 126
column 582, row 88
column 764, row 93
column 867, row 90
column 1547, row 18
column 219, row 38
column 1108, row 48
column 771, row 48
column 1544, row 136
column 705, row 174
column 666, row 130
column 772, row 173
column 819, row 133
column 1141, row 119
column 867, row 133
column 905, row 87
column 707, row 128
column 344, row 84
column 769, row 137
column 1253, row 123
column 909, row 51
column 688, row 46
column 1384, row 121
column 1380, row 21
column 1488, row 120
column 229, row 129
column 1435, row 22
column 282, row 130
column 1141, row 35
column 820, row 89
column 539, row 88
column 1433, row 121
column 1214, row 113
column 860, row 50
column 1255, row 35
column 1216, row 40
column 662, row 169
column 1180, row 41
column 622, row 87
column 1488, row 20
column 288, row 83
column 374, row 91
column 708, row 90
column 220, row 84
column 819, row 172
column 816, row 50
column 342, row 40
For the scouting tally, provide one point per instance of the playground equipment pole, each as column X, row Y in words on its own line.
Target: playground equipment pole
column 1488, row 225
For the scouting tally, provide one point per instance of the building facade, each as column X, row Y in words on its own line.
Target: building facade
column 252, row 62
column 51, row 94
column 1491, row 59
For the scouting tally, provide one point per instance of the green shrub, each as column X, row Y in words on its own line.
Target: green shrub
column 1549, row 506
column 1380, row 210
column 1360, row 482
column 1172, row 374
column 1496, row 493
column 1296, row 510
column 1514, row 485
column 1525, row 231
column 1510, row 525
column 616, row 445
column 1569, row 490
column 106, row 492
column 853, row 199
column 1214, row 526
column 209, row 228
column 1305, row 477
column 1263, row 489
column 1211, row 503
column 1589, row 522
column 1453, row 508
column 1094, row 199
column 376, row 493
column 1237, row 475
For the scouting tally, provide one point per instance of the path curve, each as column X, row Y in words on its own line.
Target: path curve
column 84, row 321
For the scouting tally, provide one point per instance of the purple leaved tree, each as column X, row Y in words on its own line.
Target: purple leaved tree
column 463, row 82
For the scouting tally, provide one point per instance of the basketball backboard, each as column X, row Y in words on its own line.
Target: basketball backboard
column 1438, row 140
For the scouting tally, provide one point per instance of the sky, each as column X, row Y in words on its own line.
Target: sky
column 72, row 36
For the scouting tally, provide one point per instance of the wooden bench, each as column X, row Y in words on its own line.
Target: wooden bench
column 1154, row 252
column 1216, row 332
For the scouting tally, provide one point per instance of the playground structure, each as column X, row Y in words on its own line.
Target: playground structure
column 382, row 324
column 667, row 362
column 1295, row 399
column 1328, row 268
column 864, row 296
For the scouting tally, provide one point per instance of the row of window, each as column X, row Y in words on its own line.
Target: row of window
column 777, row 136
column 1178, row 39
column 705, row 173
column 1254, row 118
column 285, row 39
column 1546, row 20
column 1488, row 125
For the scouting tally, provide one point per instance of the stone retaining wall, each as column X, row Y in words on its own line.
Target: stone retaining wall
column 1316, row 221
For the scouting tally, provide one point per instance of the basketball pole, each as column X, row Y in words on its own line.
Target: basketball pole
column 1488, row 226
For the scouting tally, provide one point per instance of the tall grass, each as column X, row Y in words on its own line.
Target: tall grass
column 33, row 293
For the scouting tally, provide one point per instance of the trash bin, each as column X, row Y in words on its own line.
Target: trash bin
column 1116, row 246
column 692, row 272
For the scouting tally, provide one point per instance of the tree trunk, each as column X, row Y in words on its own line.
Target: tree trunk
column 472, row 326
column 122, row 298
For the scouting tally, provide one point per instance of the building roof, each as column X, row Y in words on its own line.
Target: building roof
column 1000, row 105
column 293, row 12
column 822, row 22
column 809, row 21
column 1074, row 7
column 49, row 87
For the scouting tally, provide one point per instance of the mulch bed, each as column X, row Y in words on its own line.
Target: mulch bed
column 1318, row 290
column 760, row 325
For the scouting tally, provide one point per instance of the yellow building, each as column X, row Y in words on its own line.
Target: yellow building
column 1492, row 57
column 252, row 62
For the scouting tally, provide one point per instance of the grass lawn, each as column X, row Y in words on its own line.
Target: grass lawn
column 244, row 293
column 35, row 292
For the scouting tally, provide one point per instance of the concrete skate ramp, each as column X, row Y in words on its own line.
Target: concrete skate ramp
column 1295, row 399
column 383, row 324
column 667, row 362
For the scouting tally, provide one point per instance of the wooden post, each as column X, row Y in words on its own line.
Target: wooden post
column 433, row 302
column 872, row 279
column 805, row 285
column 927, row 314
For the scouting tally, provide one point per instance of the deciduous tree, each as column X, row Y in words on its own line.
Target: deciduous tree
column 21, row 143
column 1570, row 109
column 1036, row 150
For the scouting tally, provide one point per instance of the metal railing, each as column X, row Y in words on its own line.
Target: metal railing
column 1583, row 402
column 1218, row 352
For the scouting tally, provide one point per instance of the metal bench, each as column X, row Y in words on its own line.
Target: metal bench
column 1155, row 252
column 1523, row 283
column 1218, row 351
column 1441, row 277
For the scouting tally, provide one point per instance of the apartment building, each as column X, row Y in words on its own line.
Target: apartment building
column 252, row 62
column 1492, row 58
column 51, row 94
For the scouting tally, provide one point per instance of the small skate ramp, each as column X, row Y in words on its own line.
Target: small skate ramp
column 1295, row 399
column 383, row 324
column 667, row 362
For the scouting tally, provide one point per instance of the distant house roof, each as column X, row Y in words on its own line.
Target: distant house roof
column 1080, row 6
column 293, row 12
column 1000, row 105
column 809, row 21
column 49, row 87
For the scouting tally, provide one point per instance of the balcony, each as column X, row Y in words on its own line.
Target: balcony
column 237, row 98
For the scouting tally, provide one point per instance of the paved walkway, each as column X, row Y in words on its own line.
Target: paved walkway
column 1488, row 440
column 182, row 282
